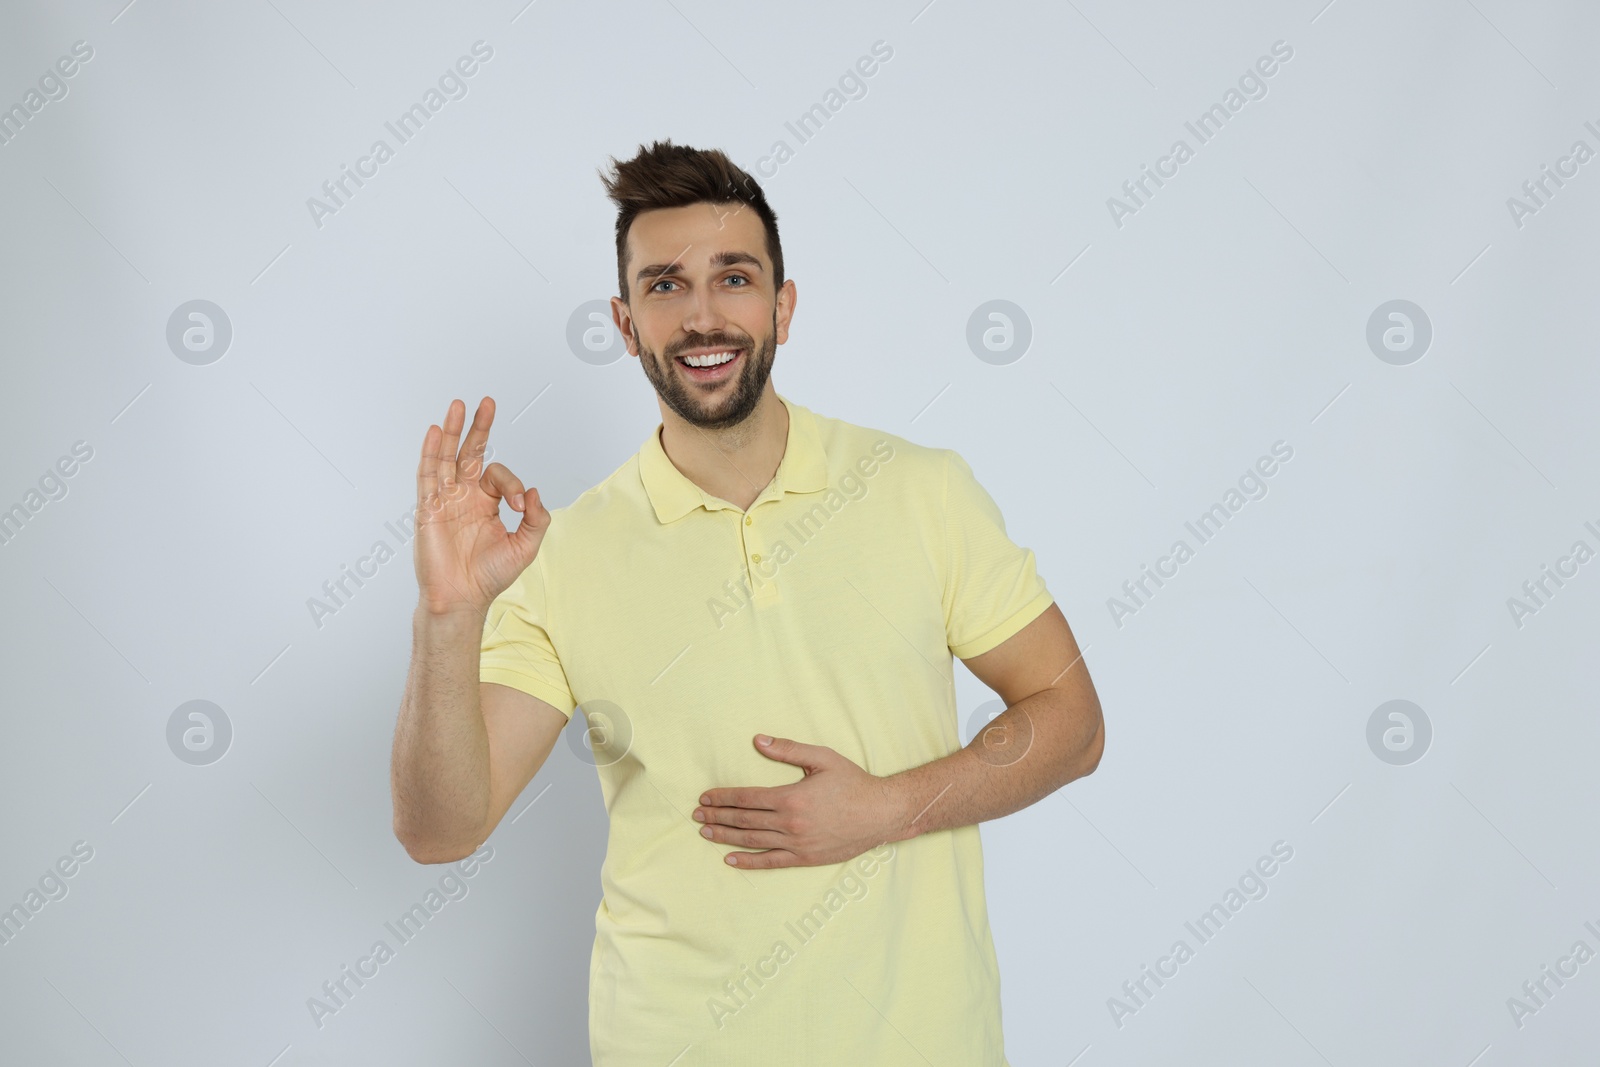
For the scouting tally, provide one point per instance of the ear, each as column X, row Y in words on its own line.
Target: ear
column 623, row 318
column 784, row 310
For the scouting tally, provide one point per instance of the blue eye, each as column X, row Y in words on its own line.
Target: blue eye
column 732, row 277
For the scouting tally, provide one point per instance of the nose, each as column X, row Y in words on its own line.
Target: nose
column 700, row 315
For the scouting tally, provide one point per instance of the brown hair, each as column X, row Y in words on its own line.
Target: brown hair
column 668, row 175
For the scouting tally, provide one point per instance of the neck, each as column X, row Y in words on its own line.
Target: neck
column 734, row 464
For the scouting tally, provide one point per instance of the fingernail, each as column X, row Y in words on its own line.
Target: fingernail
column 705, row 831
column 763, row 740
column 516, row 501
column 732, row 861
column 699, row 816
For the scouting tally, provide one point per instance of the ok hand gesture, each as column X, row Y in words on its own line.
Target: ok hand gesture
column 464, row 555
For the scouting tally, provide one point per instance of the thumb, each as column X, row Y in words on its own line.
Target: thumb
column 535, row 519
column 810, row 757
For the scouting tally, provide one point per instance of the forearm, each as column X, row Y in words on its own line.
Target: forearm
column 1029, row 751
column 439, row 772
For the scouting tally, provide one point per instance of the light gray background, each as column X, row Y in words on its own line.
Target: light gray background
column 1168, row 353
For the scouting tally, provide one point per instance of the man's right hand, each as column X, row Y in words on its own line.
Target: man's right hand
column 464, row 555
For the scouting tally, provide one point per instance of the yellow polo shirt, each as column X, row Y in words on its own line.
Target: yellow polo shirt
column 828, row 613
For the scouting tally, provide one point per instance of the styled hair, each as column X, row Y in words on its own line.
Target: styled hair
column 667, row 175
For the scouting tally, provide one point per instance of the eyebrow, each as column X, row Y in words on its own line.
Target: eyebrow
column 718, row 259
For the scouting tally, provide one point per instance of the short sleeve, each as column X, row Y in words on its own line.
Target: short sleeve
column 516, row 649
column 992, row 586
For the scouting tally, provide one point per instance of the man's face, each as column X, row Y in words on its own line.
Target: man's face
column 699, row 283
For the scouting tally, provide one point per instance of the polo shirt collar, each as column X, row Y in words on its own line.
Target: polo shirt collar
column 803, row 469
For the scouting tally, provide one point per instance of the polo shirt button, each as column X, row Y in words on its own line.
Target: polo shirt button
column 748, row 520
column 755, row 557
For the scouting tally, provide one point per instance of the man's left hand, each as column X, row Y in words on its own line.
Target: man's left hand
column 833, row 814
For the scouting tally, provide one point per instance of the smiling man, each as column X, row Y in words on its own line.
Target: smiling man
column 758, row 613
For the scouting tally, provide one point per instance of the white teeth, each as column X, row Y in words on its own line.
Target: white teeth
column 711, row 359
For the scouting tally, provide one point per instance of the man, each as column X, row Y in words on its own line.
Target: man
column 758, row 612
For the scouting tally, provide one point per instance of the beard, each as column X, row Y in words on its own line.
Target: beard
column 724, row 404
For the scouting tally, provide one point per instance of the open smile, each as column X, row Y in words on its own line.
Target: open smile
column 722, row 364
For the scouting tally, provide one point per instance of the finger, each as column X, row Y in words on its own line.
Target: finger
column 470, row 463
column 727, row 835
column 453, row 418
column 764, row 797
column 744, row 818
column 428, row 467
column 535, row 519
column 501, row 484
column 773, row 857
column 798, row 753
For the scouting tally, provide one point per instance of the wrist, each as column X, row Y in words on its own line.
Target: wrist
column 444, row 625
column 898, row 816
